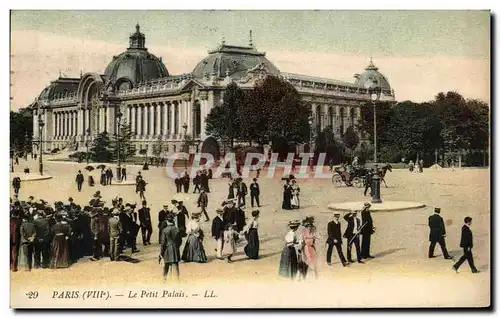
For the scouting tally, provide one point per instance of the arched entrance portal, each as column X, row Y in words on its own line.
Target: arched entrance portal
column 211, row 146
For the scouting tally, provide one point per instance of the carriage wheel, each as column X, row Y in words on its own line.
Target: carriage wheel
column 357, row 182
column 337, row 180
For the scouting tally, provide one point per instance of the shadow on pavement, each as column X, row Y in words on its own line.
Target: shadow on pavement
column 390, row 251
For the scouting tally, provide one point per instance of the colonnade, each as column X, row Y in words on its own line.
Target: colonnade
column 337, row 116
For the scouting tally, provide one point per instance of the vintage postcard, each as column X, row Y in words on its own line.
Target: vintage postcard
column 250, row 159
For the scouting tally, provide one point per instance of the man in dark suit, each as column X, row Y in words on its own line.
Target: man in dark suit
column 467, row 244
column 218, row 232
column 335, row 239
column 366, row 231
column 203, row 203
column 79, row 180
column 161, row 218
column 255, row 192
column 437, row 234
column 352, row 235
column 145, row 223
column 242, row 192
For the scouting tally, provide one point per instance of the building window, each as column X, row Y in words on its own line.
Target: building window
column 330, row 117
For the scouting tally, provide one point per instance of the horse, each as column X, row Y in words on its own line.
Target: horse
column 383, row 171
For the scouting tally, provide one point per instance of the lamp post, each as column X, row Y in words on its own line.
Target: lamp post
column 376, row 187
column 375, row 91
column 185, row 127
column 375, row 97
column 119, row 116
column 436, row 157
column 40, row 130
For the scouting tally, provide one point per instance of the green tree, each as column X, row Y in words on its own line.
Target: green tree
column 223, row 122
column 100, row 149
column 21, row 130
column 351, row 139
column 454, row 115
column 413, row 130
column 365, row 124
column 280, row 112
column 478, row 132
column 159, row 147
column 124, row 139
column 326, row 143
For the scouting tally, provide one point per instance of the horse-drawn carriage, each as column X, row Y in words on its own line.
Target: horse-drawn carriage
column 350, row 177
column 356, row 175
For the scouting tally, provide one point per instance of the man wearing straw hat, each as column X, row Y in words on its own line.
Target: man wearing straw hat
column 334, row 230
column 352, row 235
column 366, row 231
column 115, row 230
column 218, row 232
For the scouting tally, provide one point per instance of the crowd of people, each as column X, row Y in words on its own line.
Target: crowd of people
column 56, row 236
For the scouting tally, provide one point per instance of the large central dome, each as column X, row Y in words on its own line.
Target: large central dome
column 135, row 65
column 233, row 61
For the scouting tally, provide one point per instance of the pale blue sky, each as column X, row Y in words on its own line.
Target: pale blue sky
column 462, row 34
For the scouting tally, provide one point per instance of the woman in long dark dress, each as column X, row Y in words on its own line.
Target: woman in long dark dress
column 291, row 252
column 252, row 236
column 59, row 254
column 287, row 196
column 193, row 249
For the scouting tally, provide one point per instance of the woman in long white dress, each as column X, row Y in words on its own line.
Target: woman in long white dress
column 193, row 249
column 295, row 195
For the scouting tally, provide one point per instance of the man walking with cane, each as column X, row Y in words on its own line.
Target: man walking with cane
column 352, row 235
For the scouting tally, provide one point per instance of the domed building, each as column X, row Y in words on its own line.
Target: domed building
column 137, row 89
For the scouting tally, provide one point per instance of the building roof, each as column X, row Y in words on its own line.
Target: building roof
column 136, row 64
column 315, row 79
column 233, row 61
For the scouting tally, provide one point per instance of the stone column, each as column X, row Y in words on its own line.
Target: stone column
column 203, row 111
column 151, row 120
column 63, row 124
column 164, row 126
column 53, row 124
column 72, row 123
column 158, row 131
column 189, row 115
column 132, row 120
column 139, row 120
column 172, row 119
column 111, row 120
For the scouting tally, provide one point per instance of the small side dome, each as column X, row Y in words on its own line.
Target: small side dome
column 371, row 78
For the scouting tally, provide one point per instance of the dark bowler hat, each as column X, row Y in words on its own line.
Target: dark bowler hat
column 255, row 213
column 437, row 210
column 336, row 214
column 467, row 219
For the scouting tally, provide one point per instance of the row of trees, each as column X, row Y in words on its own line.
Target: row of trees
column 449, row 124
column 273, row 112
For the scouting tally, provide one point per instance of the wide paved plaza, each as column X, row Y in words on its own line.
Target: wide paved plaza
column 400, row 275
